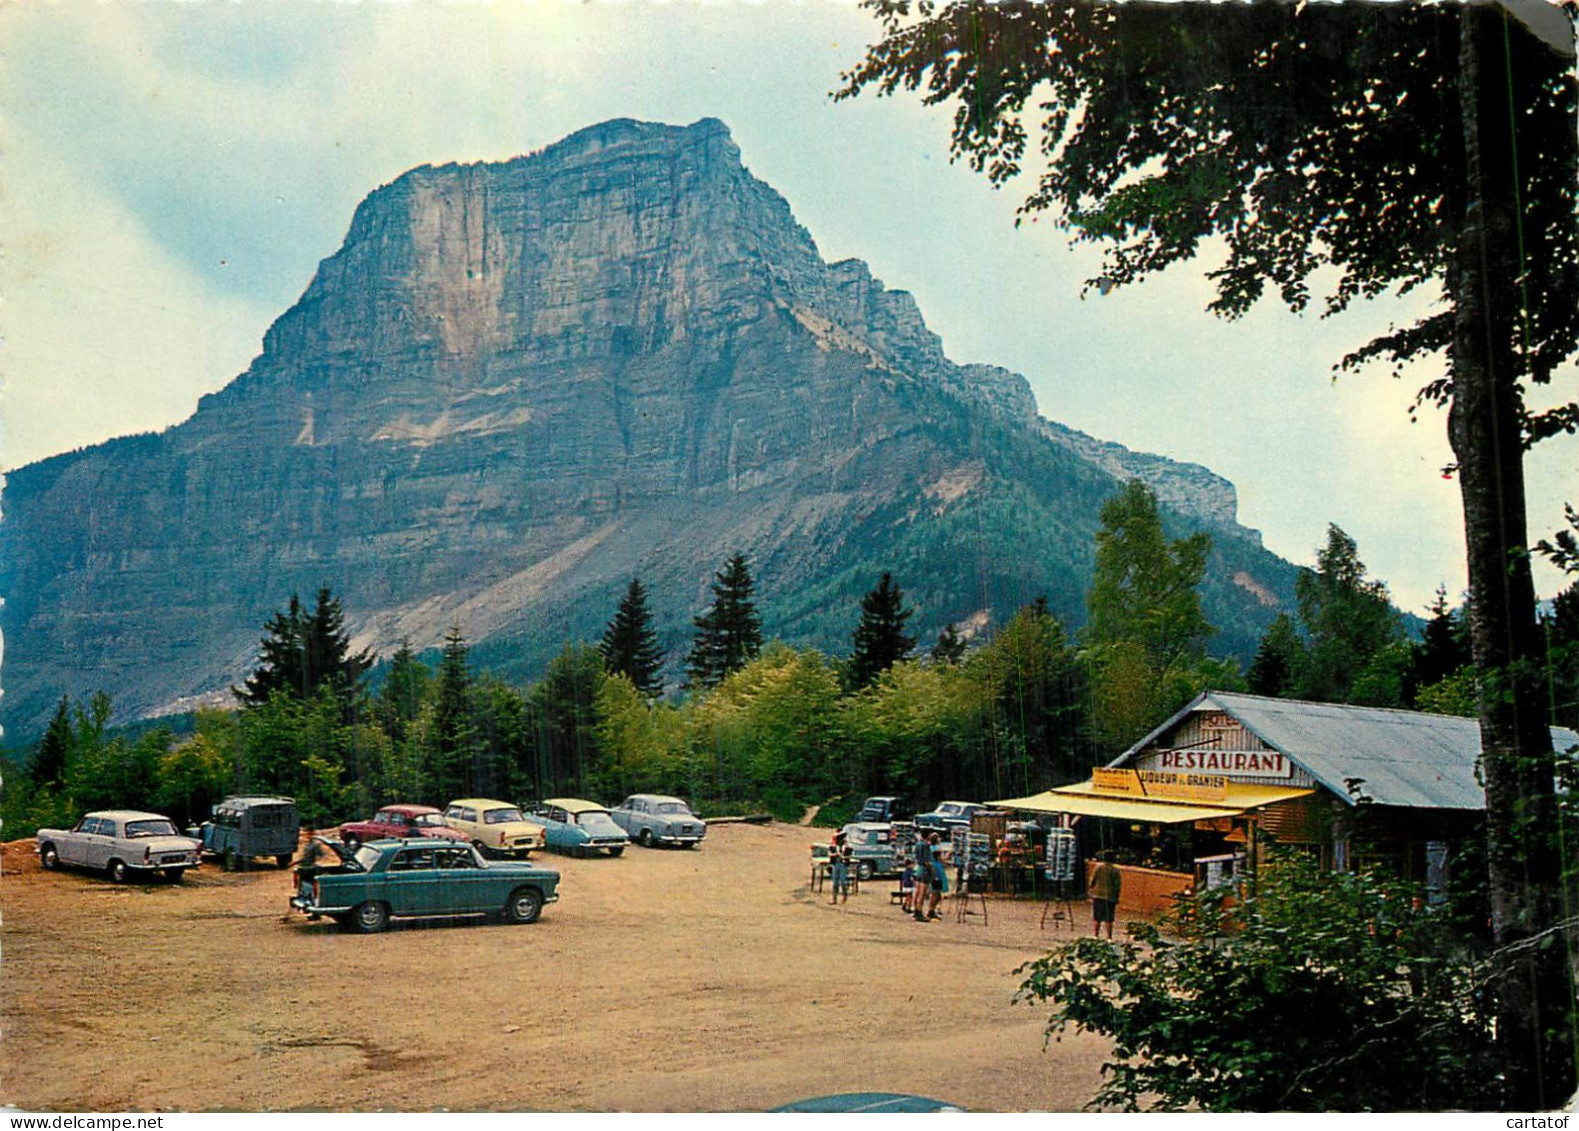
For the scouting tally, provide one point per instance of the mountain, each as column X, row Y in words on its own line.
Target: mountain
column 516, row 385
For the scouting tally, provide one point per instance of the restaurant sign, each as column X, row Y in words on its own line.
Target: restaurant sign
column 1240, row 763
column 1160, row 785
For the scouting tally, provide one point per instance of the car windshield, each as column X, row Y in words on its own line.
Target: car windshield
column 429, row 820
column 160, row 827
column 598, row 822
column 501, row 816
column 673, row 807
column 365, row 857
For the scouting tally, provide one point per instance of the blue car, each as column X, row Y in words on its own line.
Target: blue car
column 579, row 828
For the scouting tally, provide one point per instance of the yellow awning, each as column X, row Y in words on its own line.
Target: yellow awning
column 1084, row 800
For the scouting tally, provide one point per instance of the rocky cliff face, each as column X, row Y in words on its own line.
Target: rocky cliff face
column 514, row 386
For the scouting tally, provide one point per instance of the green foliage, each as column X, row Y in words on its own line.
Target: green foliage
column 949, row 647
column 404, row 690
column 1280, row 660
column 562, row 719
column 729, row 633
column 630, row 646
column 1561, row 627
column 48, row 764
column 302, row 652
column 1455, row 694
column 1144, row 589
column 452, row 736
column 1146, row 636
column 1311, row 991
column 880, row 641
column 766, row 729
column 1353, row 633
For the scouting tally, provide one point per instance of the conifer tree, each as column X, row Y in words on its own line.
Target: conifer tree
column 880, row 640
column 301, row 652
column 404, row 691
column 48, row 766
column 454, row 729
column 1279, row 660
column 729, row 633
column 630, row 646
column 950, row 646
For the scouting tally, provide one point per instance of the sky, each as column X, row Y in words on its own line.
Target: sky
column 175, row 171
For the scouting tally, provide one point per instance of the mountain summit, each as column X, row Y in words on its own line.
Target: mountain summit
column 518, row 384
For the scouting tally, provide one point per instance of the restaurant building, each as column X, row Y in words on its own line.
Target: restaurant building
column 1196, row 799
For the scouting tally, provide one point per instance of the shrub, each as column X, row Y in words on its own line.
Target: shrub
column 1315, row 991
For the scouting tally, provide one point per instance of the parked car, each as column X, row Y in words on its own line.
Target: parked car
column 949, row 815
column 498, row 828
column 401, row 821
column 652, row 818
column 872, row 845
column 243, row 829
column 885, row 809
column 580, row 827
column 391, row 879
column 123, row 842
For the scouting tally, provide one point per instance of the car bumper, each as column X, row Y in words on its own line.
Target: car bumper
column 315, row 910
column 168, row 860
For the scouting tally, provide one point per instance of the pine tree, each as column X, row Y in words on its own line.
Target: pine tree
column 630, row 646
column 1279, row 660
column 880, row 640
column 454, row 729
column 405, row 690
column 950, row 646
column 1442, row 651
column 300, row 652
column 729, row 634
column 48, row 766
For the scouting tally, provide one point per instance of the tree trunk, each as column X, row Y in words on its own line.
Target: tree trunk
column 1534, row 989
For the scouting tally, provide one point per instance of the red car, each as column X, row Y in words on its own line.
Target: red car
column 400, row 821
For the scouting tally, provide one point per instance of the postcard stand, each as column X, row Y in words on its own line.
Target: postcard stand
column 1059, row 872
column 973, row 860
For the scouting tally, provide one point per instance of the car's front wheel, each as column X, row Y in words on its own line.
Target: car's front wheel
column 118, row 871
column 524, row 906
column 863, row 870
column 646, row 838
column 48, row 858
column 616, row 850
column 371, row 917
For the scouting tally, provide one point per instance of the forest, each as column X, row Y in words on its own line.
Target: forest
column 757, row 726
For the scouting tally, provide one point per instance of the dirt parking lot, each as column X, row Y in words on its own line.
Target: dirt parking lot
column 662, row 980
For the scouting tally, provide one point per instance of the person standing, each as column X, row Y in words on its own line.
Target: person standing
column 918, row 897
column 939, row 881
column 839, row 858
column 1106, row 884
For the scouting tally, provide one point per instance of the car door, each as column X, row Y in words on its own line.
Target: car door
column 74, row 847
column 414, row 885
column 100, row 843
column 461, row 883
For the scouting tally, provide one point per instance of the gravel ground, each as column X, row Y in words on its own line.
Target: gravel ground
column 705, row 980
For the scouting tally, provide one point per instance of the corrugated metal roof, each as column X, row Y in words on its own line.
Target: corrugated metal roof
column 1392, row 757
